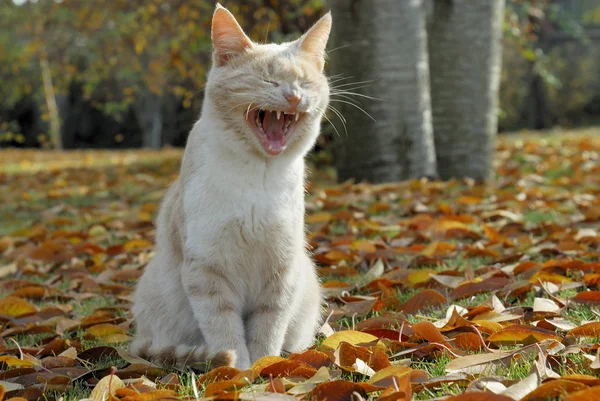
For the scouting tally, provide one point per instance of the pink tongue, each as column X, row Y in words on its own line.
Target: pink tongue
column 273, row 127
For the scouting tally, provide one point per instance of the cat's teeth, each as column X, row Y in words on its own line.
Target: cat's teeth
column 278, row 114
column 297, row 115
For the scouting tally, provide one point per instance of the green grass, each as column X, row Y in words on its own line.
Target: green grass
column 142, row 178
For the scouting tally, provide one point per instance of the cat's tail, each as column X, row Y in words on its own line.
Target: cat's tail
column 182, row 355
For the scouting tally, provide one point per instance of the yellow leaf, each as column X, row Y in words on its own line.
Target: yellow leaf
column 140, row 44
column 420, row 276
column 363, row 245
column 395, row 371
column 15, row 306
column 103, row 330
column 16, row 362
column 137, row 243
column 350, row 336
column 263, row 362
column 108, row 385
column 322, row 217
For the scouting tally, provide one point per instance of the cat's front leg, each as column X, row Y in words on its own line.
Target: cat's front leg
column 217, row 308
column 268, row 322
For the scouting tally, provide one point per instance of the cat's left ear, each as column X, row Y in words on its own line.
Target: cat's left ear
column 313, row 42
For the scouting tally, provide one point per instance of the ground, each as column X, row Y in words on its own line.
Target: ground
column 434, row 288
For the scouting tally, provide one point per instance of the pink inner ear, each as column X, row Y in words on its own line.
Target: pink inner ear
column 315, row 40
column 228, row 37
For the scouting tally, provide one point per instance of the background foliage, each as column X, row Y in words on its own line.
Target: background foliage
column 109, row 59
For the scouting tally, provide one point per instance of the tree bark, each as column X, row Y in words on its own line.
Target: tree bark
column 49, row 95
column 382, row 42
column 149, row 110
column 465, row 52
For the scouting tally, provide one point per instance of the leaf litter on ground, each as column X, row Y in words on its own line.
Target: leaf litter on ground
column 434, row 289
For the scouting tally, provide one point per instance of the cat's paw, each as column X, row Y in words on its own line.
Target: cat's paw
column 224, row 358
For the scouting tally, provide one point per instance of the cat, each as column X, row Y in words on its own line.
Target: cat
column 231, row 280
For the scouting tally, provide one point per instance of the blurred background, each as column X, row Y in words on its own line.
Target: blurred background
column 130, row 74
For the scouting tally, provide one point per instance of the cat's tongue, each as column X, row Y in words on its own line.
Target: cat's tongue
column 274, row 130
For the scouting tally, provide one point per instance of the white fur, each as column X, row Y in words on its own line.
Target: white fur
column 231, row 271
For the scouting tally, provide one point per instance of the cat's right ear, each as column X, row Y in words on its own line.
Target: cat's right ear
column 228, row 38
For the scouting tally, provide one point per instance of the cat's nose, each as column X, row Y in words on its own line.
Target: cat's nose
column 293, row 99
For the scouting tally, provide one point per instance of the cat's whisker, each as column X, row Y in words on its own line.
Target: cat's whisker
column 248, row 110
column 340, row 116
column 333, row 125
column 337, row 78
column 319, row 110
column 334, row 93
column 344, row 97
column 354, row 83
column 356, row 106
column 337, row 112
column 338, row 48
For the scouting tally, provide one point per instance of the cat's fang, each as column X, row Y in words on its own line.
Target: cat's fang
column 297, row 116
column 278, row 114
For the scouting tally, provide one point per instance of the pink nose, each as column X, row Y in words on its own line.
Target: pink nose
column 293, row 100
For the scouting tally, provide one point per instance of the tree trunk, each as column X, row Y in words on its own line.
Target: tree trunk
column 382, row 42
column 148, row 107
column 465, row 52
column 49, row 95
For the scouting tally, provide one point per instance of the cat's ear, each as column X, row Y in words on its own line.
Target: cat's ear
column 228, row 38
column 313, row 42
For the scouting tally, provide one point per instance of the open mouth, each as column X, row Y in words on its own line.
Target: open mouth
column 273, row 128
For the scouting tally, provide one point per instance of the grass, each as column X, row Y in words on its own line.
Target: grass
column 63, row 196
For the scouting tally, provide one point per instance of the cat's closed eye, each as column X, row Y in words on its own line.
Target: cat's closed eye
column 270, row 82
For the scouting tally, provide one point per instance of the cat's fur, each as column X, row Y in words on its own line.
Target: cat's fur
column 231, row 279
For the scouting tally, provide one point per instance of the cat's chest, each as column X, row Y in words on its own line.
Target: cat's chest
column 247, row 222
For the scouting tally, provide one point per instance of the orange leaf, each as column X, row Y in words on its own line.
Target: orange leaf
column 423, row 300
column 314, row 358
column 35, row 292
column 263, row 362
column 347, row 354
column 430, row 333
column 225, row 386
column 338, row 390
column 218, row 374
column 587, row 298
column 589, row 394
column 282, row 368
column 521, row 334
column 468, row 342
column 553, row 389
column 303, row 371
column 474, row 288
column 591, row 329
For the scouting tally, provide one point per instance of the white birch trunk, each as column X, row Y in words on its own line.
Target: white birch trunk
column 465, row 53
column 383, row 41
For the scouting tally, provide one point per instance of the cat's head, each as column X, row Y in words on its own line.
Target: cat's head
column 271, row 96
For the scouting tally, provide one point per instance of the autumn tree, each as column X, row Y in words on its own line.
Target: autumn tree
column 125, row 55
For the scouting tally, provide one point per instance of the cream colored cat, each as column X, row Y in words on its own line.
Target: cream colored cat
column 231, row 279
